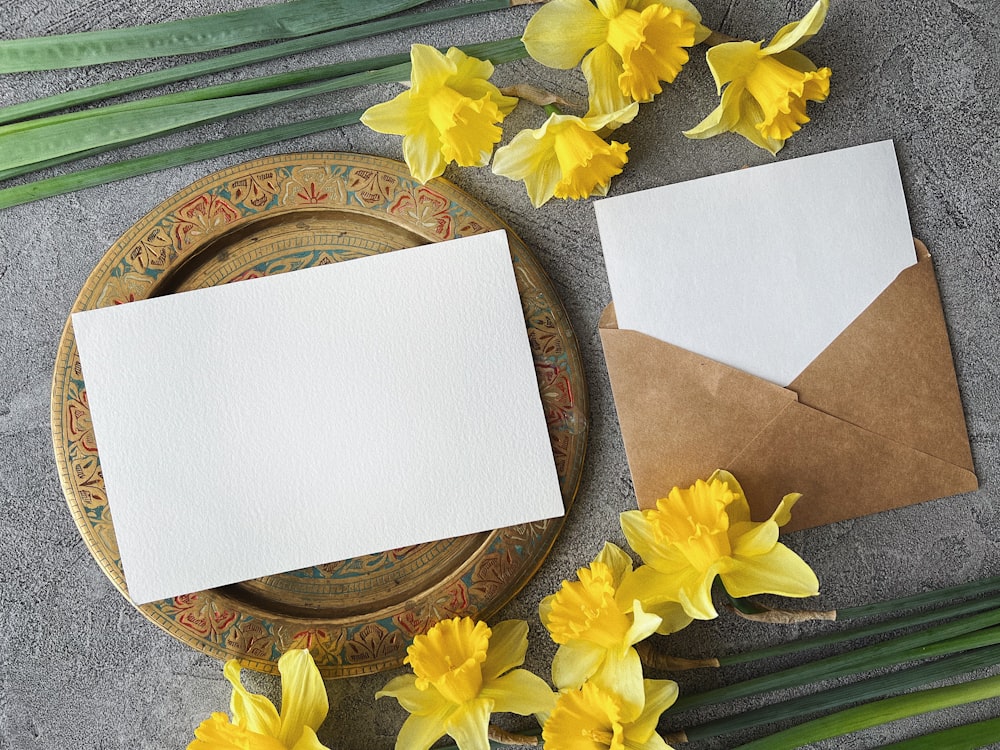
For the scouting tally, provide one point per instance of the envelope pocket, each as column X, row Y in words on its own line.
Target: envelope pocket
column 841, row 470
column 874, row 422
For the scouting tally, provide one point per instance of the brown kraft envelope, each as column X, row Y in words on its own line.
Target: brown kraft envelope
column 874, row 422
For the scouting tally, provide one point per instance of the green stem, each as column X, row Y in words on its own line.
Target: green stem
column 188, row 35
column 106, row 131
column 962, row 591
column 92, row 94
column 68, row 183
column 804, row 644
column 895, row 651
column 965, row 737
column 60, row 139
column 864, row 690
column 878, row 712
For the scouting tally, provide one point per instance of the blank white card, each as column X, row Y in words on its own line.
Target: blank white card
column 760, row 268
column 273, row 424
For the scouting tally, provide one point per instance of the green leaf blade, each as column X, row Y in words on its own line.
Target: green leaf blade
column 185, row 36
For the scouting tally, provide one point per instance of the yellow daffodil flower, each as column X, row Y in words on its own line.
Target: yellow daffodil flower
column 766, row 87
column 705, row 531
column 591, row 719
column 450, row 113
column 462, row 672
column 257, row 724
column 565, row 158
column 628, row 47
column 596, row 629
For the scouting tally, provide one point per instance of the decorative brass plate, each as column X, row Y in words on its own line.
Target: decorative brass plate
column 280, row 214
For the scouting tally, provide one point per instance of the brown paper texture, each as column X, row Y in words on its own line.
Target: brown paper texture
column 874, row 422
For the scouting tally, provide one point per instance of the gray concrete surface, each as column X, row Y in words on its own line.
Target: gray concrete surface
column 80, row 668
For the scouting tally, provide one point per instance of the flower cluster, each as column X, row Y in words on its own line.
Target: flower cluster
column 463, row 671
column 626, row 50
column 256, row 722
column 693, row 537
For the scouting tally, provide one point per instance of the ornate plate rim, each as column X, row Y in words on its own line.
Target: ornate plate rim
column 480, row 219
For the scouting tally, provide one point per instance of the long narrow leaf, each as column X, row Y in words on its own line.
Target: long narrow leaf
column 868, row 689
column 187, row 71
column 895, row 651
column 219, row 92
column 935, row 596
column 103, row 130
column 85, row 178
column 878, row 712
column 965, row 737
column 850, row 634
column 200, row 34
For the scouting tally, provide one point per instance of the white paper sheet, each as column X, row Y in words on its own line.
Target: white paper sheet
column 760, row 268
column 273, row 424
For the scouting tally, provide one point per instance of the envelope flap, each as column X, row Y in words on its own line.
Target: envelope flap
column 891, row 371
column 842, row 470
column 679, row 409
column 609, row 318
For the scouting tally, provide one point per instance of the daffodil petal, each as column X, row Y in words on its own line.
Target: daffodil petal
column 414, row 700
column 611, row 8
column 796, row 61
column 574, row 662
column 648, row 585
column 783, row 513
column 601, row 69
column 508, row 645
column 251, row 711
column 545, row 607
column 519, row 692
column 430, row 69
column 420, row 731
column 672, row 616
column 801, row 31
column 470, row 80
column 641, row 537
column 659, row 696
column 621, row 675
column 616, row 559
column 309, row 741
column 653, row 742
column 561, row 32
column 217, row 733
column 684, row 6
column 732, row 61
column 468, row 67
column 758, row 539
column 644, row 624
column 722, row 119
column 394, row 117
column 694, row 591
column 469, row 724
column 780, row 572
column 751, row 115
column 422, row 153
column 304, row 702
column 527, row 157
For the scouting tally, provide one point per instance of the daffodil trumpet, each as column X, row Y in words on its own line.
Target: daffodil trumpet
column 626, row 48
column 566, row 157
column 463, row 671
column 450, row 112
column 256, row 723
column 765, row 88
column 697, row 535
column 597, row 625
